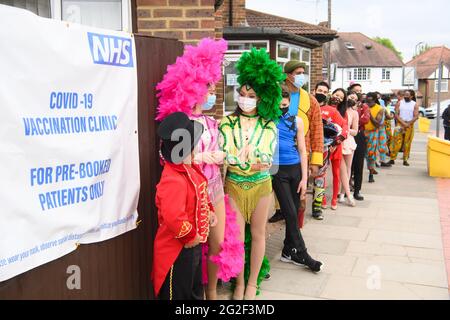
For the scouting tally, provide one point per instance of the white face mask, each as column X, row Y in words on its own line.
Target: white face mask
column 247, row 104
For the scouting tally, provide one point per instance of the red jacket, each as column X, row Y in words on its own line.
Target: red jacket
column 331, row 114
column 184, row 210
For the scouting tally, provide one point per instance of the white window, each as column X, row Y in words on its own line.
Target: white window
column 444, row 85
column 108, row 14
column 361, row 74
column 39, row 7
column 386, row 74
column 349, row 75
column 287, row 52
column 246, row 45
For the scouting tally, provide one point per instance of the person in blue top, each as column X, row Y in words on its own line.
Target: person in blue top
column 289, row 183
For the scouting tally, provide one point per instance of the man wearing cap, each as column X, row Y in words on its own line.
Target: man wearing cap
column 184, row 216
column 305, row 106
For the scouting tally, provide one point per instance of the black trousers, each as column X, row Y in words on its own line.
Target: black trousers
column 285, row 184
column 184, row 280
column 358, row 161
column 447, row 133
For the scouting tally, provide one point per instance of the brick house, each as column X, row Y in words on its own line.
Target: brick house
column 427, row 68
column 191, row 20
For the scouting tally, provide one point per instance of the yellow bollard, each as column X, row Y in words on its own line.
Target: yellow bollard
column 424, row 125
column 438, row 156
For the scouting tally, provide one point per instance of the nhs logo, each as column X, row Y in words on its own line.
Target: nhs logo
column 111, row 50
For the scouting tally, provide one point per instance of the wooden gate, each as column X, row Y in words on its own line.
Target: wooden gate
column 118, row 268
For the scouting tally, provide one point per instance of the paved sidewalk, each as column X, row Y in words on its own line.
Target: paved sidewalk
column 388, row 247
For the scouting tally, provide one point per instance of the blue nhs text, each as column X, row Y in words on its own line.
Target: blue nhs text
column 111, row 50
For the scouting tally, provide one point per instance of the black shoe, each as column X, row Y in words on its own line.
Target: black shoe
column 301, row 259
column 371, row 179
column 317, row 215
column 386, row 165
column 358, row 196
column 392, row 162
column 278, row 216
column 377, row 165
column 405, row 163
column 267, row 277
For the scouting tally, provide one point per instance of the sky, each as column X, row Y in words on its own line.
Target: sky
column 405, row 22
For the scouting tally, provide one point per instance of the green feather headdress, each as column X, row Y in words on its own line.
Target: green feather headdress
column 264, row 75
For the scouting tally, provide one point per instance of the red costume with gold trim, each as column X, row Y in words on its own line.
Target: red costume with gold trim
column 184, row 210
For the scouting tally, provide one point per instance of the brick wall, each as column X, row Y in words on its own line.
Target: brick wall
column 185, row 20
column 316, row 66
column 239, row 15
column 432, row 96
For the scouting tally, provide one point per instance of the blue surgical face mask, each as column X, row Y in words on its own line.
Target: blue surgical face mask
column 209, row 104
column 299, row 80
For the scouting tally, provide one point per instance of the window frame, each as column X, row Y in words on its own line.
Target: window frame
column 384, row 74
column 361, row 74
column 56, row 13
column 282, row 61
column 231, row 42
column 444, row 85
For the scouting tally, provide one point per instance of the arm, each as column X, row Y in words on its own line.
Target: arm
column 388, row 114
column 316, row 133
column 377, row 120
column 416, row 115
column 172, row 207
column 364, row 115
column 304, row 164
column 353, row 129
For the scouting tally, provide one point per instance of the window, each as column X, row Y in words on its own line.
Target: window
column 39, row 7
column 349, row 75
column 361, row 74
column 108, row 14
column 295, row 54
column 444, row 85
column 283, row 51
column 286, row 52
column 349, row 46
column 241, row 46
column 386, row 74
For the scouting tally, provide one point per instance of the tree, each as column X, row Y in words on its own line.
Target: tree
column 388, row 44
column 422, row 49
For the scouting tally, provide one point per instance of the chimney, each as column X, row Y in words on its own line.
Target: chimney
column 233, row 12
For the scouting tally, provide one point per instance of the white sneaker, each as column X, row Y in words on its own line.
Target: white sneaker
column 341, row 198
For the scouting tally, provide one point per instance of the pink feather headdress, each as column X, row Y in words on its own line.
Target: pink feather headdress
column 186, row 82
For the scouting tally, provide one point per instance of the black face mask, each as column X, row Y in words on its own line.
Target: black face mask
column 321, row 97
column 359, row 96
column 284, row 110
column 407, row 99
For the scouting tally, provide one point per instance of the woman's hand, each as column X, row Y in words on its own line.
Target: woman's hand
column 194, row 242
column 302, row 188
column 204, row 157
column 218, row 157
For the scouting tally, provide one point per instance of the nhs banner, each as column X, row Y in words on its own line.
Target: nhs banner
column 69, row 160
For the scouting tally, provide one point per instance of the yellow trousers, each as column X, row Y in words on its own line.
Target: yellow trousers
column 402, row 139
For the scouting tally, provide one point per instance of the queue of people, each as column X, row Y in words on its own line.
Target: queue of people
column 220, row 178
